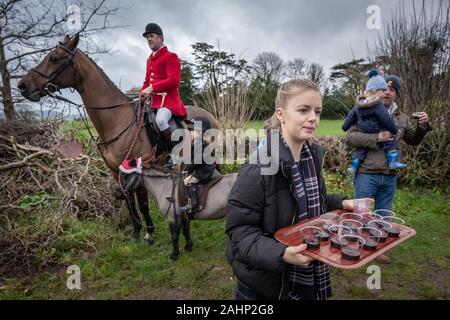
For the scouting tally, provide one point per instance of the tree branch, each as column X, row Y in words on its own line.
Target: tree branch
column 26, row 54
column 24, row 161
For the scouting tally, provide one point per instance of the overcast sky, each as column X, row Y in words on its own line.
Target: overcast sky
column 325, row 32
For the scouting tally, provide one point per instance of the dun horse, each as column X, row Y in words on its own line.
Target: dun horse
column 163, row 184
column 111, row 112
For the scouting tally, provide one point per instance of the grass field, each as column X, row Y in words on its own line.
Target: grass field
column 116, row 269
column 420, row 268
column 326, row 127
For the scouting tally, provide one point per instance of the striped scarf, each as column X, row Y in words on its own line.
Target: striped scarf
column 314, row 281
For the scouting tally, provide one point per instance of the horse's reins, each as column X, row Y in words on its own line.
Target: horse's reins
column 51, row 88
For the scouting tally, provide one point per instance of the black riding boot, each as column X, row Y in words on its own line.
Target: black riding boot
column 193, row 203
column 194, row 197
column 167, row 135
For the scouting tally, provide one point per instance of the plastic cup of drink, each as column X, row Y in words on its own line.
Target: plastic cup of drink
column 381, row 225
column 371, row 237
column 362, row 205
column 323, row 225
column 311, row 236
column 351, row 250
column 336, row 231
column 369, row 216
column 328, row 220
column 394, row 230
column 385, row 213
column 351, row 216
column 352, row 224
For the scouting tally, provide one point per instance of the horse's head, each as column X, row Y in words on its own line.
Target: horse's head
column 131, row 181
column 56, row 71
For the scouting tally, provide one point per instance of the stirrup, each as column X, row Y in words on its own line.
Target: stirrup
column 169, row 164
column 187, row 212
column 186, row 208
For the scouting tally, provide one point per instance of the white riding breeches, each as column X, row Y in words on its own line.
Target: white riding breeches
column 163, row 115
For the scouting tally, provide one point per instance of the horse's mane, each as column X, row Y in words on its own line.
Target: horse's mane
column 113, row 85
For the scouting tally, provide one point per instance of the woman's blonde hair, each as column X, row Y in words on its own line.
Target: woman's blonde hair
column 285, row 92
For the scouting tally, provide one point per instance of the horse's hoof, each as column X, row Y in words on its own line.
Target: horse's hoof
column 133, row 238
column 148, row 241
column 188, row 247
column 173, row 257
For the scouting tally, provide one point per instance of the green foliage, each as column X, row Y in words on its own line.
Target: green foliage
column 336, row 106
column 217, row 68
column 264, row 92
column 229, row 168
column 78, row 131
column 29, row 201
column 187, row 86
column 349, row 78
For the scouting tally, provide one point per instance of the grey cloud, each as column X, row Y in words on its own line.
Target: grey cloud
column 325, row 32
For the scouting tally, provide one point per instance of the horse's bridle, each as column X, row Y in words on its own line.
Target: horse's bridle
column 50, row 86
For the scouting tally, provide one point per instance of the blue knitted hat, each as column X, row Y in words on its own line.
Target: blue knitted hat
column 376, row 81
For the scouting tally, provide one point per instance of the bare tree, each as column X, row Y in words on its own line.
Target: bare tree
column 216, row 82
column 267, row 73
column 29, row 29
column 315, row 73
column 232, row 107
column 295, row 69
column 417, row 49
column 268, row 67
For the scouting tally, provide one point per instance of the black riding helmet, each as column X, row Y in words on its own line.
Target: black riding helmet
column 196, row 122
column 152, row 28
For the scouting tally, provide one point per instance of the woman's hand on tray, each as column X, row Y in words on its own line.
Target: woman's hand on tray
column 293, row 255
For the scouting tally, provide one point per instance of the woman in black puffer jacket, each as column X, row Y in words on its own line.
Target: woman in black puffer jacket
column 263, row 201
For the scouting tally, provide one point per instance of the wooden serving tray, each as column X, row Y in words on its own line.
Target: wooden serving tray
column 332, row 256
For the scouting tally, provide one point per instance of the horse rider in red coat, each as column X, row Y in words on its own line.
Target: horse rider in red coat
column 162, row 80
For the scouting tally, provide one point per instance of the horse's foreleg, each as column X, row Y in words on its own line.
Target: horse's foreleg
column 142, row 198
column 174, row 234
column 130, row 201
column 187, row 234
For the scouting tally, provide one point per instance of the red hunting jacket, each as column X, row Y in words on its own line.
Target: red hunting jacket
column 164, row 74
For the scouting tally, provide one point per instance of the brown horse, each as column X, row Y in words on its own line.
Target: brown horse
column 111, row 112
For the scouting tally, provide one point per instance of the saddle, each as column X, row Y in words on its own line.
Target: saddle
column 153, row 132
column 202, row 191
